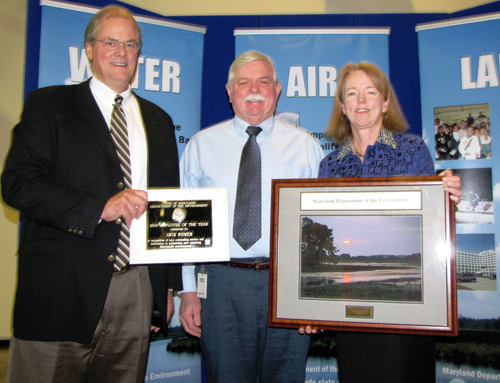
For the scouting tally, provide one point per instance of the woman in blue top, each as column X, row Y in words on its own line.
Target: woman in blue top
column 368, row 125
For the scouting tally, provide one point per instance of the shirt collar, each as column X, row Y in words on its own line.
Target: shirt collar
column 105, row 93
column 266, row 126
column 384, row 137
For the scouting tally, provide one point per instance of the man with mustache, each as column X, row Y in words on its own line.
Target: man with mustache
column 236, row 342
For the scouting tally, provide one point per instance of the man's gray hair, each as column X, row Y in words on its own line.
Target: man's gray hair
column 247, row 58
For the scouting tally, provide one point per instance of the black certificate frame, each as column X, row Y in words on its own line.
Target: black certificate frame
column 422, row 302
column 178, row 206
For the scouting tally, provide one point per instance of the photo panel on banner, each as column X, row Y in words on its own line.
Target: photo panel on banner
column 169, row 74
column 459, row 74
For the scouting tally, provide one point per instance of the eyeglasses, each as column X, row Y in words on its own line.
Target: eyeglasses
column 113, row 45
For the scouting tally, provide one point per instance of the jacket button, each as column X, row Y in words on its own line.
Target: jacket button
column 111, row 257
column 120, row 185
column 80, row 232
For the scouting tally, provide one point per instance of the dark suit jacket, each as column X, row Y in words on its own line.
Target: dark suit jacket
column 60, row 171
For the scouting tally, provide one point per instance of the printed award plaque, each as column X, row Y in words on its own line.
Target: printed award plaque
column 182, row 225
column 363, row 254
column 179, row 224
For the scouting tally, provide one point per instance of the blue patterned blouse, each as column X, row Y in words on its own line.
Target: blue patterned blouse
column 393, row 154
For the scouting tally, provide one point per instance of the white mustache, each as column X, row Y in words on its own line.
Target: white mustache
column 254, row 97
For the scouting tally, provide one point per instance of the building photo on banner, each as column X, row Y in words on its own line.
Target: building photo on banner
column 169, row 74
column 459, row 73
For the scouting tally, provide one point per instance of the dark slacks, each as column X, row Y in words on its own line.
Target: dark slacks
column 236, row 342
column 117, row 353
column 385, row 358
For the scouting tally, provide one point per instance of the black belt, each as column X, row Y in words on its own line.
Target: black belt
column 250, row 265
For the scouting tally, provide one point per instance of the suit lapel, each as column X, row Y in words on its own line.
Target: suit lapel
column 153, row 137
column 149, row 119
column 91, row 117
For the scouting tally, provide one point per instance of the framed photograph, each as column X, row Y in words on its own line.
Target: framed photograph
column 182, row 226
column 363, row 254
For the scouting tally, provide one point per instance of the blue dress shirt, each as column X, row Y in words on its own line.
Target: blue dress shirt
column 212, row 159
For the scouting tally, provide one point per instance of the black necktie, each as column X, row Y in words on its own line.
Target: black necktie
column 120, row 137
column 247, row 209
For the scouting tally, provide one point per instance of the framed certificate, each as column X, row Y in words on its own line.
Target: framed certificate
column 363, row 254
column 182, row 226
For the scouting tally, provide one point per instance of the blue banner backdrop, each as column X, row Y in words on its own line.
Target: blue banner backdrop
column 459, row 69
column 308, row 62
column 169, row 74
column 169, row 70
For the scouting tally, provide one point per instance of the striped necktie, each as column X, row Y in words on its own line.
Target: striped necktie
column 120, row 137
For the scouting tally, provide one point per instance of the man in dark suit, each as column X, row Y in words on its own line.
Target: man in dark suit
column 81, row 313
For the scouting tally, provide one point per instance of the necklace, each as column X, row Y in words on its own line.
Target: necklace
column 357, row 153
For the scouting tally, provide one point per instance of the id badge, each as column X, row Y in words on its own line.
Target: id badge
column 201, row 291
